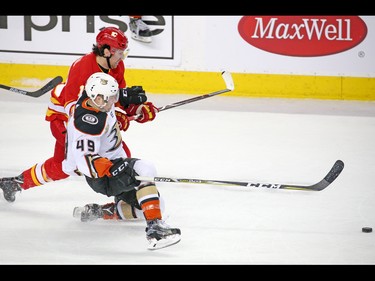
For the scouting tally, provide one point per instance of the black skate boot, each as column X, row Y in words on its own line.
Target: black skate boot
column 139, row 30
column 161, row 235
column 11, row 186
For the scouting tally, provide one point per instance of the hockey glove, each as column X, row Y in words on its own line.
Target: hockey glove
column 123, row 171
column 147, row 112
column 132, row 95
column 122, row 120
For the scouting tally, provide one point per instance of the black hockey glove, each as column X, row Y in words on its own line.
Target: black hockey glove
column 132, row 95
column 124, row 172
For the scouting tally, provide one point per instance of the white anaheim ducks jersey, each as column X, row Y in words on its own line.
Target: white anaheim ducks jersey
column 91, row 135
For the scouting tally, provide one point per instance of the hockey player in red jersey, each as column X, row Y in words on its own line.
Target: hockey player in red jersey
column 107, row 56
column 94, row 149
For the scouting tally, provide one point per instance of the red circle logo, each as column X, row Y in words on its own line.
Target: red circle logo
column 303, row 36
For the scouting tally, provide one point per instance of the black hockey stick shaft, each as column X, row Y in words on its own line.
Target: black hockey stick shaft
column 326, row 181
column 35, row 94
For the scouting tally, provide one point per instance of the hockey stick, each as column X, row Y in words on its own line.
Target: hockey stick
column 49, row 86
column 229, row 87
column 326, row 181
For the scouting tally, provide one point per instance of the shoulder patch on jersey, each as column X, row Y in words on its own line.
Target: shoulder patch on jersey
column 91, row 119
column 89, row 122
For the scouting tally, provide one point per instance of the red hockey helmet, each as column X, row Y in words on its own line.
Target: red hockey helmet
column 113, row 37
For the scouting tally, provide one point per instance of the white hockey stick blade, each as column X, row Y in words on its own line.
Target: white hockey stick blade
column 227, row 76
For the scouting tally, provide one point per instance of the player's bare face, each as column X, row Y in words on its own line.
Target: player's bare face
column 102, row 104
column 107, row 105
column 118, row 56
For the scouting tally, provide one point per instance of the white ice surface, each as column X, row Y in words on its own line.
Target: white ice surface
column 222, row 138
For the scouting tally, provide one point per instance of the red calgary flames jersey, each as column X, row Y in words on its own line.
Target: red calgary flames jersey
column 65, row 95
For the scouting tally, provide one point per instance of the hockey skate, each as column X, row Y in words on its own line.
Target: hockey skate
column 91, row 212
column 161, row 235
column 140, row 31
column 10, row 187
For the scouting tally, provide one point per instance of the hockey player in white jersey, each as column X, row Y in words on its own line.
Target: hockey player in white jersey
column 93, row 148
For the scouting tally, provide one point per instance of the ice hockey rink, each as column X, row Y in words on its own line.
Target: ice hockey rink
column 220, row 138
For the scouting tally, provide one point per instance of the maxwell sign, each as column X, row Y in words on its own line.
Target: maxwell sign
column 303, row 36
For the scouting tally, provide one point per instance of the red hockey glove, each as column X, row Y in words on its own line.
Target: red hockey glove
column 147, row 111
column 122, row 120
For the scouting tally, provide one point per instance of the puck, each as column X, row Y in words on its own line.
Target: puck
column 366, row 229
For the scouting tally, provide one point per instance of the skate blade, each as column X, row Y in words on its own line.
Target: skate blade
column 163, row 243
column 77, row 211
column 142, row 38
